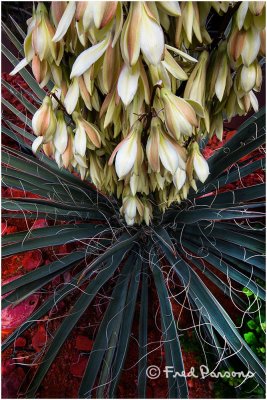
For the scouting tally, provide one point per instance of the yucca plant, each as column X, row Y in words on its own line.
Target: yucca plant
column 182, row 231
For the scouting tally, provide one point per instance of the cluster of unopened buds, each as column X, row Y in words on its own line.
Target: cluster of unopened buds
column 137, row 85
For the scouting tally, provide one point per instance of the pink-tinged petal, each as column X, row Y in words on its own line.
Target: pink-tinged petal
column 65, row 21
column 110, row 162
column 109, row 13
column 151, row 38
column 130, row 36
column 68, row 153
column 92, row 133
column 72, row 96
column 168, row 155
column 152, row 152
column 57, row 10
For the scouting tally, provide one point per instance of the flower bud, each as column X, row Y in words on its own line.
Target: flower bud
column 256, row 7
column 111, row 67
column 80, row 141
column 126, row 152
column 57, row 74
column 180, row 117
column 148, row 211
column 95, row 169
column 170, row 7
column 152, row 148
column 67, row 156
column 127, row 83
column 196, row 84
column 49, row 149
column 42, row 35
column 200, row 165
column 179, row 178
column 163, row 148
column 241, row 14
column 80, row 138
column 151, row 37
column 130, row 36
column 251, row 47
column 58, row 159
column 60, row 139
column 131, row 207
column 28, row 48
column 263, row 42
column 217, row 126
column 103, row 12
column 39, row 69
column 80, row 10
column 91, row 130
column 254, row 101
column 82, row 170
column 44, row 121
column 72, row 96
column 57, row 10
column 134, row 183
column 219, row 70
column 38, row 46
column 188, row 19
column 235, row 44
column 248, row 77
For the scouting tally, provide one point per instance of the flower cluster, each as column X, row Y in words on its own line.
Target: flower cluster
column 137, row 85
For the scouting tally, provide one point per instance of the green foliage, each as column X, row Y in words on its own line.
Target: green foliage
column 236, row 387
column 210, row 240
column 255, row 329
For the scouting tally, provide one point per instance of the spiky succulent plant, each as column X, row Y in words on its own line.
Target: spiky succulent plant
column 135, row 88
column 142, row 85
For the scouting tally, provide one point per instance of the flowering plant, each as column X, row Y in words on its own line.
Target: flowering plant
column 123, row 99
column 136, row 87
